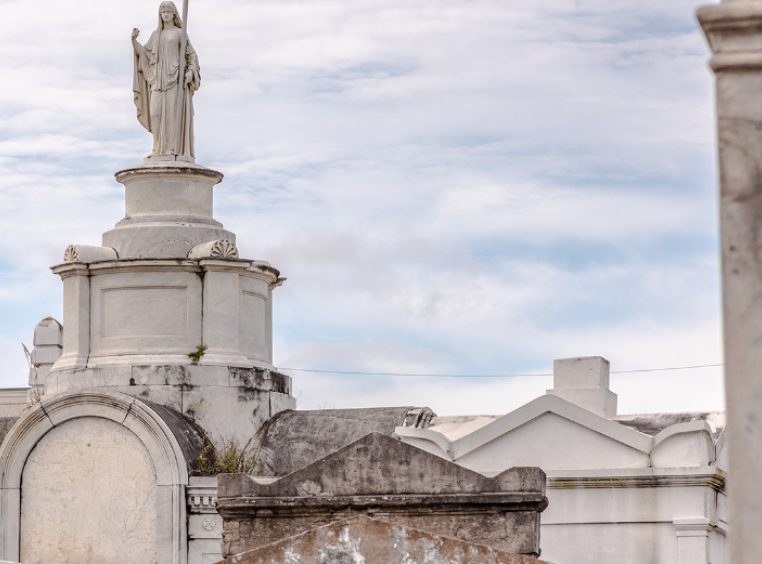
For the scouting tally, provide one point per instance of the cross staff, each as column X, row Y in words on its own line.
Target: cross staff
column 181, row 82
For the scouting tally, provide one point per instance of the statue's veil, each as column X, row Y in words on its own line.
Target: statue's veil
column 178, row 20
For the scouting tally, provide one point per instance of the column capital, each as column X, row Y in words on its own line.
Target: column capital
column 69, row 269
column 734, row 33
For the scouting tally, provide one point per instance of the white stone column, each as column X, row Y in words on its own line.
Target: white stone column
column 221, row 313
column 76, row 314
column 734, row 31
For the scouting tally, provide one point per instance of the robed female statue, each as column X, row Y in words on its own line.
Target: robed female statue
column 163, row 101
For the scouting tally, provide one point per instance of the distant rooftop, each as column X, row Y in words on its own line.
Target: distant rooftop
column 457, row 426
column 653, row 423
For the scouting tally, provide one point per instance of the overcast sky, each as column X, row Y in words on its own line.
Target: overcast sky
column 450, row 186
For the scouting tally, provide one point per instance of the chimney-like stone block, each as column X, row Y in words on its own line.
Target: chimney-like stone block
column 584, row 381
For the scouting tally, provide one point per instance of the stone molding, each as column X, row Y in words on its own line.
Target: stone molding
column 202, row 501
column 256, row 269
column 709, row 477
column 202, row 494
column 177, row 375
column 439, row 502
column 88, row 254
column 697, row 527
column 151, row 170
column 69, row 269
column 163, row 449
column 266, row 268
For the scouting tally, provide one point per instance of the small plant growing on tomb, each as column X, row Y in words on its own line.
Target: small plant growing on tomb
column 196, row 355
column 205, row 462
column 233, row 459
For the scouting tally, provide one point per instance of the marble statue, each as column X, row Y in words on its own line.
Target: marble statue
column 163, row 86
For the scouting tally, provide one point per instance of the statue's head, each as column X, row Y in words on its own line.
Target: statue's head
column 168, row 13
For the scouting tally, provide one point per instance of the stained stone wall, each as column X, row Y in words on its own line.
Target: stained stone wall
column 372, row 541
column 86, row 481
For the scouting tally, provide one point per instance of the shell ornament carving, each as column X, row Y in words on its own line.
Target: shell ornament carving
column 71, row 254
column 224, row 248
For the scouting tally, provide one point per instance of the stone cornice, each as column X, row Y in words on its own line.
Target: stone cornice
column 144, row 265
column 250, row 268
column 173, row 169
column 265, row 267
column 69, row 269
column 225, row 265
column 465, row 503
column 201, row 499
column 714, row 479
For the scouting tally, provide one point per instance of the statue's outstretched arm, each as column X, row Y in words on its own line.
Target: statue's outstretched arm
column 135, row 45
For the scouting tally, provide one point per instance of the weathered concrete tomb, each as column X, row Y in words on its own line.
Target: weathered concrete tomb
column 380, row 477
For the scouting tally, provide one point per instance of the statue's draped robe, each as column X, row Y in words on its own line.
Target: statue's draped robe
column 155, row 88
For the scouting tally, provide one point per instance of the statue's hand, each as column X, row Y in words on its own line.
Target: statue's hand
column 188, row 76
column 135, row 33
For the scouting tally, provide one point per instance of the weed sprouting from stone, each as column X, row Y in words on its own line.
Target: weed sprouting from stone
column 232, row 459
column 198, row 354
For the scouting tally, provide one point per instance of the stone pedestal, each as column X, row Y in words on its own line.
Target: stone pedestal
column 168, row 311
column 168, row 211
column 734, row 32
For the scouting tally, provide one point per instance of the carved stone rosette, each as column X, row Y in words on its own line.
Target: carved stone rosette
column 71, row 254
column 88, row 254
column 224, row 248
column 218, row 249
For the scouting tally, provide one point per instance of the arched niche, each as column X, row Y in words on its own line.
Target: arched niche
column 128, row 440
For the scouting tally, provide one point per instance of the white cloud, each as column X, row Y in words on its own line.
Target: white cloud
column 450, row 186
